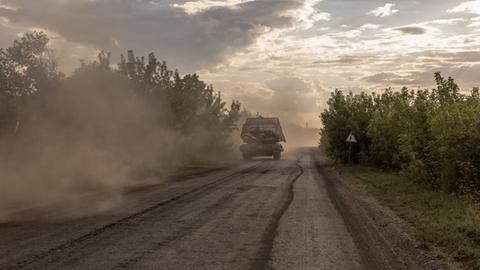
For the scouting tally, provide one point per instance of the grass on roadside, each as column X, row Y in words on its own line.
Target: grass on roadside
column 446, row 224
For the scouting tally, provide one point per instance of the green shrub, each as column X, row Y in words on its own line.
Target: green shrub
column 431, row 135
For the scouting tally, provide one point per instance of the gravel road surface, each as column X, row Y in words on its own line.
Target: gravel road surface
column 261, row 214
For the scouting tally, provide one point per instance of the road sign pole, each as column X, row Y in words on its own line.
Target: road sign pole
column 349, row 152
column 350, row 140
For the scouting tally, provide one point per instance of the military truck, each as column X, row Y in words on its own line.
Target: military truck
column 262, row 137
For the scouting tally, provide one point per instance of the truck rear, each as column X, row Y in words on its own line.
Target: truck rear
column 262, row 137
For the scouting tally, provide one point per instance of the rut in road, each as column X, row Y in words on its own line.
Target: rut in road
column 263, row 256
column 44, row 257
column 288, row 214
column 233, row 217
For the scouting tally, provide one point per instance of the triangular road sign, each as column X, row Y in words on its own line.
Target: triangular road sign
column 351, row 139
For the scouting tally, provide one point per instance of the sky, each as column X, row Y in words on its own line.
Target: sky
column 278, row 57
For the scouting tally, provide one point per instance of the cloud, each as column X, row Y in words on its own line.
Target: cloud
column 295, row 100
column 452, row 21
column 385, row 78
column 452, row 57
column 411, row 30
column 346, row 60
column 7, row 7
column 384, row 11
column 292, row 94
column 474, row 24
column 193, row 7
column 466, row 75
column 370, row 26
column 191, row 36
column 467, row 7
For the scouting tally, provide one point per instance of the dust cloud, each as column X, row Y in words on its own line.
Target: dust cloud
column 88, row 136
column 295, row 101
column 298, row 136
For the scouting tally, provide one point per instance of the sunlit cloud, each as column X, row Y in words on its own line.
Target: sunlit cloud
column 469, row 7
column 475, row 22
column 193, row 7
column 4, row 21
column 7, row 7
column 370, row 26
column 308, row 15
column 452, row 21
column 384, row 11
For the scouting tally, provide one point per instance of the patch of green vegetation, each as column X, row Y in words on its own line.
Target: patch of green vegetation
column 446, row 224
column 431, row 134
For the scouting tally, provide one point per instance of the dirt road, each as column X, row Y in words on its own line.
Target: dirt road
column 262, row 214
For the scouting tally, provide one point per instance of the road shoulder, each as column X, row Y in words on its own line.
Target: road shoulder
column 383, row 238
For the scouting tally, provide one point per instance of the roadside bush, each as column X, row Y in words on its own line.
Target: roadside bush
column 347, row 114
column 388, row 122
column 431, row 135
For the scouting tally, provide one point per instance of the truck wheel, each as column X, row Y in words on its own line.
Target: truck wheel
column 277, row 155
column 246, row 156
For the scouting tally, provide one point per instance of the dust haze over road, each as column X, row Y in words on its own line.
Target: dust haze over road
column 261, row 214
column 100, row 128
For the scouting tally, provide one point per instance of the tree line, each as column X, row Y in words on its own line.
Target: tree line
column 430, row 135
column 136, row 109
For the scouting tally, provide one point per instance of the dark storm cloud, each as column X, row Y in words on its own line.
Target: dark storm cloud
column 190, row 41
column 411, row 30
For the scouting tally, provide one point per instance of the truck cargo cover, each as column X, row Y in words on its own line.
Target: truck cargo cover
column 263, row 124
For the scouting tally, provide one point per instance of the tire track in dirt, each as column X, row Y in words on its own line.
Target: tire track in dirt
column 72, row 243
column 263, row 256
